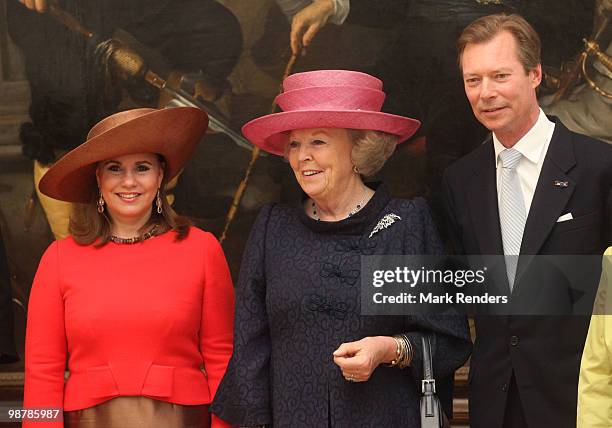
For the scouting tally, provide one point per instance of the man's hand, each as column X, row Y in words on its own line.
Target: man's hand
column 307, row 22
column 39, row 6
column 357, row 360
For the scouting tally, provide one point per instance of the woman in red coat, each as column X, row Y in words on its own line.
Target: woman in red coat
column 137, row 304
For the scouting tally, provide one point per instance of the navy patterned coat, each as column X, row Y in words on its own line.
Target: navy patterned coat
column 298, row 299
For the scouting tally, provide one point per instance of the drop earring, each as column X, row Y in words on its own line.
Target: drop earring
column 100, row 204
column 158, row 203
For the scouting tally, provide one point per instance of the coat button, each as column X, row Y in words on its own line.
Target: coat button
column 505, row 387
column 514, row 340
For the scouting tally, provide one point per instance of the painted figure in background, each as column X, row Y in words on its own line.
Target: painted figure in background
column 587, row 108
column 71, row 90
column 309, row 16
column 587, row 111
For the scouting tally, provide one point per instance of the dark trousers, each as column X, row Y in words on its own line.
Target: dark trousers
column 514, row 417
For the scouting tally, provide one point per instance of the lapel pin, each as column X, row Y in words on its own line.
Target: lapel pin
column 558, row 183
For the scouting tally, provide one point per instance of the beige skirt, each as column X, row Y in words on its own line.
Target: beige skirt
column 138, row 412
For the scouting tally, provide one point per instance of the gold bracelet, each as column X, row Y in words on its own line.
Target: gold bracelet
column 409, row 352
column 403, row 362
column 398, row 347
column 401, row 352
column 404, row 357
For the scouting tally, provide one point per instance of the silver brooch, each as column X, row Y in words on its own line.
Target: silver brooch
column 385, row 222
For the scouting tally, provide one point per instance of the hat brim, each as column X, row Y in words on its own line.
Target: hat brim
column 269, row 132
column 172, row 133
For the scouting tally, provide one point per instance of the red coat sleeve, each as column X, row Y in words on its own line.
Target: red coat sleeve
column 45, row 359
column 216, row 331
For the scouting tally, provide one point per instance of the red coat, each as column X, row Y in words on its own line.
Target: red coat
column 151, row 319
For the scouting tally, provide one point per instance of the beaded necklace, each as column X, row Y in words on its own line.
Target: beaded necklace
column 135, row 239
column 351, row 212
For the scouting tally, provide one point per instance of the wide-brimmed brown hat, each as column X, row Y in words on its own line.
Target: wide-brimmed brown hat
column 172, row 133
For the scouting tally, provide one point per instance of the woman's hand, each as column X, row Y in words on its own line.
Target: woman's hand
column 357, row 360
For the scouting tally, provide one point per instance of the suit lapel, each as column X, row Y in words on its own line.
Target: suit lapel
column 549, row 199
column 482, row 196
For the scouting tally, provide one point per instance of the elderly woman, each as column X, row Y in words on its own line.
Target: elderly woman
column 137, row 302
column 594, row 386
column 304, row 356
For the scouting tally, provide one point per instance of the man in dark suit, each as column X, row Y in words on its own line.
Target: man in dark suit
column 535, row 188
column 8, row 353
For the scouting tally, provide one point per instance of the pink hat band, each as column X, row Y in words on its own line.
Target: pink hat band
column 331, row 78
column 334, row 98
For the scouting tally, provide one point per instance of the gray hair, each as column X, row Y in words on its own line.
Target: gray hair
column 371, row 149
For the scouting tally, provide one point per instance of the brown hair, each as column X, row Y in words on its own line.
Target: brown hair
column 87, row 226
column 486, row 28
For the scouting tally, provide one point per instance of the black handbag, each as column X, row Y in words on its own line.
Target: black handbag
column 432, row 415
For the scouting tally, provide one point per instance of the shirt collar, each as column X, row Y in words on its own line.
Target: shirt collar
column 533, row 142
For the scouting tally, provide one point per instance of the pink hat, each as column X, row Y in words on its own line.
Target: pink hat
column 327, row 99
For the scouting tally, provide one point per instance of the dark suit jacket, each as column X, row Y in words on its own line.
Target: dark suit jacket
column 8, row 353
column 543, row 352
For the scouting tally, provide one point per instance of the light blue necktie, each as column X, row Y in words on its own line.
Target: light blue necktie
column 512, row 212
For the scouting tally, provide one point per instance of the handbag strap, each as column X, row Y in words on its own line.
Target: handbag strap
column 428, row 383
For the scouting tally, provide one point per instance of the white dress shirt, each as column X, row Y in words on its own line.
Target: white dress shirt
column 533, row 146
